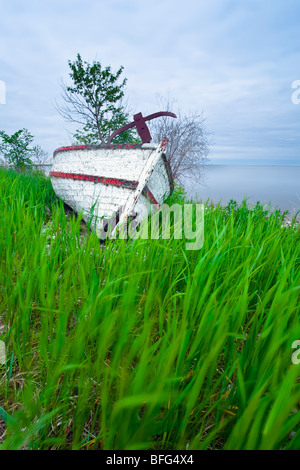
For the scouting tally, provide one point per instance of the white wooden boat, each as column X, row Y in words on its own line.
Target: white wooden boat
column 110, row 183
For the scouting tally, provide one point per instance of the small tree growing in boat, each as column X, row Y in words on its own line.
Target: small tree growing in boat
column 94, row 101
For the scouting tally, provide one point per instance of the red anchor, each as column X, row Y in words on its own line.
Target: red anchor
column 141, row 126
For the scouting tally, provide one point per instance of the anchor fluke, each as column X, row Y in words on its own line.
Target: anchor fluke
column 141, row 126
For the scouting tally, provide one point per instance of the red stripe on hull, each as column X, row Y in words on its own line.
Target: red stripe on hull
column 96, row 179
column 146, row 191
column 97, row 147
column 72, row 147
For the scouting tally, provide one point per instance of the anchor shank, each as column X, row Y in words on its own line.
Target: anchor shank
column 141, row 126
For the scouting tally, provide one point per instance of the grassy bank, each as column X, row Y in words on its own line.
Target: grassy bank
column 143, row 344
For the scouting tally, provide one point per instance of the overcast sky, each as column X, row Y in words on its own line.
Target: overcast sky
column 235, row 60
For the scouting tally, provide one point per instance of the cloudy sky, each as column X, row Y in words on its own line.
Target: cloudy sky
column 235, row 60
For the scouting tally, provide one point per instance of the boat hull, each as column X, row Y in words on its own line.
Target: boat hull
column 108, row 184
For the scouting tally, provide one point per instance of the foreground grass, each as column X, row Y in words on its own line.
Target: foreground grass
column 137, row 345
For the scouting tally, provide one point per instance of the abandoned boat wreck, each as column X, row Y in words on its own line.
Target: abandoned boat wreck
column 111, row 183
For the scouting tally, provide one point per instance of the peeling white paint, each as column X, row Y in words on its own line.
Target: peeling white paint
column 96, row 201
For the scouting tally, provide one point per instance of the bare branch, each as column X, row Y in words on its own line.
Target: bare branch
column 188, row 143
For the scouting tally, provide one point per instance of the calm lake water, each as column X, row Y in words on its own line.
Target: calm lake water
column 278, row 185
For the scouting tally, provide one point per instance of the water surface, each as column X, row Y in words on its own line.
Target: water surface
column 277, row 185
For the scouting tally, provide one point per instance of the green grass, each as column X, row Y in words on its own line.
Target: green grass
column 143, row 344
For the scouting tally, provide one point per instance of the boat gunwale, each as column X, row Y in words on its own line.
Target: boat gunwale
column 140, row 146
